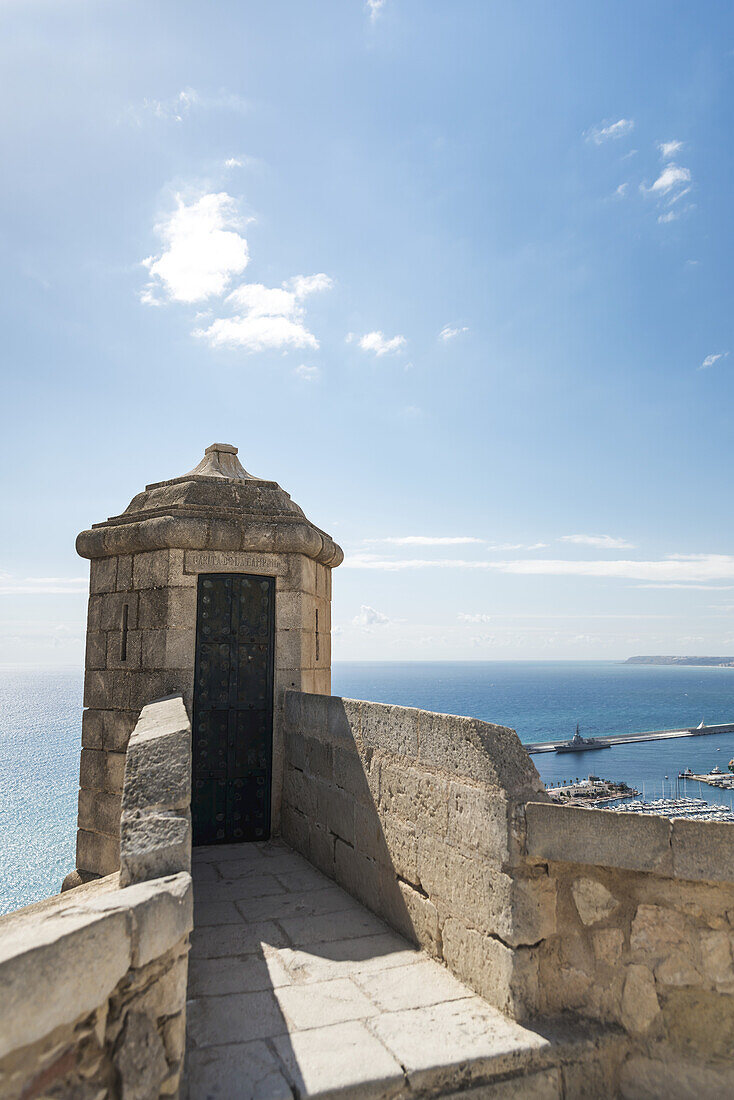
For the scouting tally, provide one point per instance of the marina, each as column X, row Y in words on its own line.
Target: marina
column 696, row 809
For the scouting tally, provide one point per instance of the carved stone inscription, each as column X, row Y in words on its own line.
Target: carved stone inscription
column 233, row 561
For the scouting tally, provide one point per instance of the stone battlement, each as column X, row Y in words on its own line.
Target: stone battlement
column 439, row 825
column 94, row 980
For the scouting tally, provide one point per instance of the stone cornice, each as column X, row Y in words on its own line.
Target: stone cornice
column 198, row 529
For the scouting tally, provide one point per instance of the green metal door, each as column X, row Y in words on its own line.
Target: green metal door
column 233, row 708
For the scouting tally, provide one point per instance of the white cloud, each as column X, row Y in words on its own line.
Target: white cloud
column 463, row 617
column 676, row 568
column 503, row 547
column 263, row 301
column 621, row 190
column 374, row 7
column 178, row 106
column 705, row 587
column 448, row 332
column 427, row 540
column 369, row 616
column 42, row 586
column 377, row 342
column 610, row 131
column 267, row 317
column 455, row 540
column 243, row 161
column 308, row 374
column 673, row 183
column 175, row 108
column 603, row 542
column 303, row 285
column 202, row 250
column 671, row 177
column 711, row 359
column 668, row 149
column 258, row 333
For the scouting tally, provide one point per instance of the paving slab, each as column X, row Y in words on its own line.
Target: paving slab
column 240, row 1070
column 417, row 985
column 311, row 903
column 441, row 1044
column 303, row 878
column 245, row 887
column 215, row 912
column 344, row 958
column 343, row 1060
column 352, row 923
column 233, row 869
column 208, row 853
column 212, row 941
column 287, row 861
column 235, row 974
column 206, row 872
column 323, row 1003
column 233, row 1018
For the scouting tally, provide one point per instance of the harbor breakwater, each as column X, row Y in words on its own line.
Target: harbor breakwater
column 629, row 738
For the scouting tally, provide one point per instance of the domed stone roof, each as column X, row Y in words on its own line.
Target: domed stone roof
column 216, row 506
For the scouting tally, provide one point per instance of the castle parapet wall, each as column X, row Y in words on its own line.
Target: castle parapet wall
column 441, row 826
column 93, row 981
column 644, row 938
column 421, row 817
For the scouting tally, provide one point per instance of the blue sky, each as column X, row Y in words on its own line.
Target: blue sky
column 456, row 273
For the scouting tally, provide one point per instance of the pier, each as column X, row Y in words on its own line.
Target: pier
column 627, row 738
column 723, row 780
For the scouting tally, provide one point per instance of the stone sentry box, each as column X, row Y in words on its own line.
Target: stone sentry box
column 141, row 629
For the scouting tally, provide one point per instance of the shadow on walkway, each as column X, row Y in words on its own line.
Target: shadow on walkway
column 295, row 989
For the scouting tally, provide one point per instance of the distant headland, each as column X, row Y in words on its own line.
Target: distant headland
column 715, row 662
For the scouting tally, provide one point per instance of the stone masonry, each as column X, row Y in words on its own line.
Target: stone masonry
column 440, row 826
column 419, row 815
column 94, row 981
column 142, row 616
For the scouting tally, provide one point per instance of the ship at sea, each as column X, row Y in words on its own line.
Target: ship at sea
column 582, row 744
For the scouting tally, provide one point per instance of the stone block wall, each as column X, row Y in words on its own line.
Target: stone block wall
column 140, row 646
column 141, row 640
column 644, row 939
column 94, row 980
column 94, row 992
column 436, row 824
column 420, row 816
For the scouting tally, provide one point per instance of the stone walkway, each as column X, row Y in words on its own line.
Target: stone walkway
column 296, row 990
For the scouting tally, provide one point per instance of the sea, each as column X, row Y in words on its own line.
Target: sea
column 40, row 734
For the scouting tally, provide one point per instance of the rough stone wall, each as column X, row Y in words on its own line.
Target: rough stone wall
column 435, row 823
column 644, row 939
column 93, row 982
column 153, row 594
column 94, row 993
column 419, row 815
column 156, row 800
